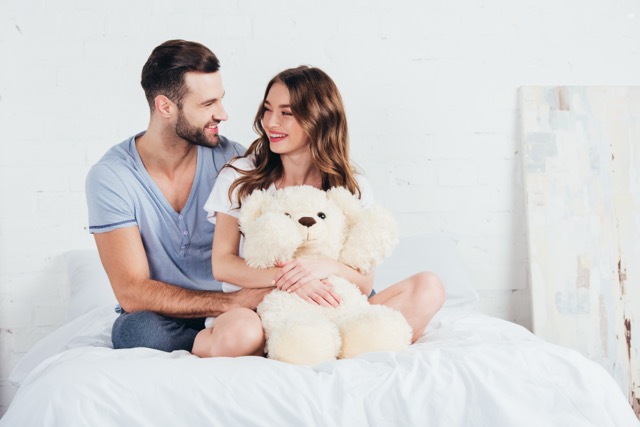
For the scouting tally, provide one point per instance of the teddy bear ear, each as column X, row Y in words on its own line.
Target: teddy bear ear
column 348, row 203
column 370, row 239
column 254, row 205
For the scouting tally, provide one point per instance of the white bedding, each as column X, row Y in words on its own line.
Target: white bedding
column 467, row 370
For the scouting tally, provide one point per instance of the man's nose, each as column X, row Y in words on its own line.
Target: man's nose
column 220, row 114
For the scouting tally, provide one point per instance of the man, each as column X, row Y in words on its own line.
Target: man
column 146, row 198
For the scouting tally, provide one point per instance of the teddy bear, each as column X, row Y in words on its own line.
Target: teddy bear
column 303, row 221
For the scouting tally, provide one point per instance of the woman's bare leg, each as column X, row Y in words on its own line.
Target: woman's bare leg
column 418, row 298
column 237, row 332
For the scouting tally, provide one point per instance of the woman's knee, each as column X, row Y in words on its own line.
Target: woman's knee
column 245, row 327
column 428, row 288
column 235, row 333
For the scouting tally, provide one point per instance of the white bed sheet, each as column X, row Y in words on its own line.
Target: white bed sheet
column 467, row 370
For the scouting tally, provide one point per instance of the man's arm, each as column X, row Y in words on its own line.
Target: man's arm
column 125, row 262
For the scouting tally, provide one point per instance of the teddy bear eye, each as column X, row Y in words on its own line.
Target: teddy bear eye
column 287, row 214
column 321, row 215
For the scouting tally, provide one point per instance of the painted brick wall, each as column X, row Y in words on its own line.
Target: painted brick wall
column 431, row 95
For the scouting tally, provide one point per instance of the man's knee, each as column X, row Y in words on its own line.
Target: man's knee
column 130, row 329
column 152, row 330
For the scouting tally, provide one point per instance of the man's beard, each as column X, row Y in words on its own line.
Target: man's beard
column 192, row 134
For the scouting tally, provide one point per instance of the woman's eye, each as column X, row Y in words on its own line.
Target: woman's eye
column 287, row 113
column 321, row 215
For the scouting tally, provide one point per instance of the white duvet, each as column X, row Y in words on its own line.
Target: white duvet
column 467, row 370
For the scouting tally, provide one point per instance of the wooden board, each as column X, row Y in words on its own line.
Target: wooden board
column 581, row 162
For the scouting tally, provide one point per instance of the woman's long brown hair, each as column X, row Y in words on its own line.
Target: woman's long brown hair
column 317, row 106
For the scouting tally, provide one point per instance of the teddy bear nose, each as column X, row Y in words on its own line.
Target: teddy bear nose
column 307, row 221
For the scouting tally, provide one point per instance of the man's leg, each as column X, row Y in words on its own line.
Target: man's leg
column 152, row 330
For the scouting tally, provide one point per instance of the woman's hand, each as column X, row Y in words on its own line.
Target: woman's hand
column 298, row 272
column 318, row 292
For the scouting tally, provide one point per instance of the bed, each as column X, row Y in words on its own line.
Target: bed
column 468, row 369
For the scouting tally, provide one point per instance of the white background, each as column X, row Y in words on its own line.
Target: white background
column 431, row 91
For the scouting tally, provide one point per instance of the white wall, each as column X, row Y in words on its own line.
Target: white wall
column 430, row 89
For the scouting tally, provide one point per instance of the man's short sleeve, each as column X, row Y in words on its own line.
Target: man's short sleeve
column 108, row 201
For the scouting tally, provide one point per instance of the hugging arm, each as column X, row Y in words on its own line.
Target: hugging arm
column 125, row 262
column 299, row 271
column 225, row 260
column 229, row 267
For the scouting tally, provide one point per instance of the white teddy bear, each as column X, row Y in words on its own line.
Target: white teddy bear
column 303, row 221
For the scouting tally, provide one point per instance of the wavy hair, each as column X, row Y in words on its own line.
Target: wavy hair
column 317, row 106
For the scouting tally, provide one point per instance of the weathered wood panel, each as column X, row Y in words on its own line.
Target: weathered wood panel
column 581, row 148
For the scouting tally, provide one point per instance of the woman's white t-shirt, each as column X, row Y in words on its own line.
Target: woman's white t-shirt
column 218, row 200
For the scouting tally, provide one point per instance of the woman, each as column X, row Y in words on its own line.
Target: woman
column 303, row 140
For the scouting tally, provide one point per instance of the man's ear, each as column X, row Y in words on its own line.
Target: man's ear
column 164, row 106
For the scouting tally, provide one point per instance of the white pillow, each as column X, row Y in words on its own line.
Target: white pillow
column 89, row 285
column 436, row 252
column 90, row 329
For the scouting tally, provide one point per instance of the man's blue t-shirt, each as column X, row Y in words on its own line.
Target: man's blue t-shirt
column 121, row 193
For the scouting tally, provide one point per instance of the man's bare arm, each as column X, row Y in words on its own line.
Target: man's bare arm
column 125, row 262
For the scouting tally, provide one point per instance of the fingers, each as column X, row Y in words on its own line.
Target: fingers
column 315, row 299
column 291, row 274
column 290, row 279
column 331, row 299
column 297, row 285
column 333, row 294
column 284, row 268
column 320, row 293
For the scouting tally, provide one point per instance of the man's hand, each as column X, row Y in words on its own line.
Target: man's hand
column 250, row 298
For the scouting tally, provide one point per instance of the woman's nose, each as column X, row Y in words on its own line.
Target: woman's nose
column 270, row 120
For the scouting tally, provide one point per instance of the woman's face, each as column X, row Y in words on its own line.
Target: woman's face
column 285, row 134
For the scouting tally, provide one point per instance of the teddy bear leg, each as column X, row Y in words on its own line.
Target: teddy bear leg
column 378, row 328
column 303, row 339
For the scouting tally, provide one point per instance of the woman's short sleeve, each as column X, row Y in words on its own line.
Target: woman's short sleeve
column 218, row 200
column 366, row 191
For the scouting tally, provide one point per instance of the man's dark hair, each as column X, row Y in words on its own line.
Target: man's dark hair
column 163, row 73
